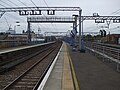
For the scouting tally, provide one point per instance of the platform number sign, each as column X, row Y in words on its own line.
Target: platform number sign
column 116, row 21
column 50, row 12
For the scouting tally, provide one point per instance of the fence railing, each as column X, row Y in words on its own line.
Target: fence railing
column 106, row 51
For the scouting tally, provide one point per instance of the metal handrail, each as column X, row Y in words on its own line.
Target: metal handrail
column 110, row 52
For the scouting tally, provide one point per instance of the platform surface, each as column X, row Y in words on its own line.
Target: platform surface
column 60, row 77
column 93, row 74
column 11, row 49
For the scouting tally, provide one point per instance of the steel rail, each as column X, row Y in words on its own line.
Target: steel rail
column 16, row 62
column 29, row 69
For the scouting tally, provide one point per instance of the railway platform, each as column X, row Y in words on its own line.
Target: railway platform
column 81, row 71
column 11, row 49
column 72, row 70
column 92, row 73
column 60, row 77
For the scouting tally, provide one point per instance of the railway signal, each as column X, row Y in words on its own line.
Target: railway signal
column 102, row 33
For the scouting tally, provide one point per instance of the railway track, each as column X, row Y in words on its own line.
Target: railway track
column 31, row 76
column 15, row 55
column 8, row 65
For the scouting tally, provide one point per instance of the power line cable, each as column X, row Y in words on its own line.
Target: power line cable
column 48, row 7
column 22, row 3
column 13, row 16
column 115, row 11
column 118, row 12
column 7, row 22
column 5, row 3
column 12, row 3
column 9, row 14
column 36, row 6
column 33, row 3
column 46, row 3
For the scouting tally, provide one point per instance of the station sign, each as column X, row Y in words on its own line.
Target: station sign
column 116, row 21
column 50, row 12
column 32, row 12
column 36, row 12
column 99, row 21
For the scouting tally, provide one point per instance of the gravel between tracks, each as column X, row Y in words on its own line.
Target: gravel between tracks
column 9, row 76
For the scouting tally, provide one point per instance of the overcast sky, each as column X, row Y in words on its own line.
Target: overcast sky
column 102, row 7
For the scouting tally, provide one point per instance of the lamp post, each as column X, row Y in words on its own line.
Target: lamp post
column 17, row 23
column 15, row 32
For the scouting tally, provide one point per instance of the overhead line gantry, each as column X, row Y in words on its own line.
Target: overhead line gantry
column 52, row 10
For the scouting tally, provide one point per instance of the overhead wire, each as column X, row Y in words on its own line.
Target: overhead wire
column 46, row 3
column 48, row 7
column 115, row 12
column 33, row 3
column 8, row 14
column 7, row 22
column 22, row 3
column 12, row 3
column 3, row 6
column 37, row 6
column 5, row 3
column 13, row 16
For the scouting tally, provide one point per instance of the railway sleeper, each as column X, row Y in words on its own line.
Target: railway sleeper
column 28, row 80
column 14, row 63
column 25, row 80
column 22, row 88
column 25, row 83
column 32, row 77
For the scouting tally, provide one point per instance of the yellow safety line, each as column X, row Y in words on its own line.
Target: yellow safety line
column 73, row 72
column 67, row 76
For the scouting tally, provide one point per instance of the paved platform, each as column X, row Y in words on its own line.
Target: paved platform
column 60, row 77
column 11, row 49
column 93, row 74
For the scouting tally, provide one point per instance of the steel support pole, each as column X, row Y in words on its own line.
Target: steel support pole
column 80, row 29
column 29, row 36
column 2, row 13
column 72, row 41
column 75, row 27
column 81, row 41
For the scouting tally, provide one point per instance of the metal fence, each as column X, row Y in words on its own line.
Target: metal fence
column 110, row 52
